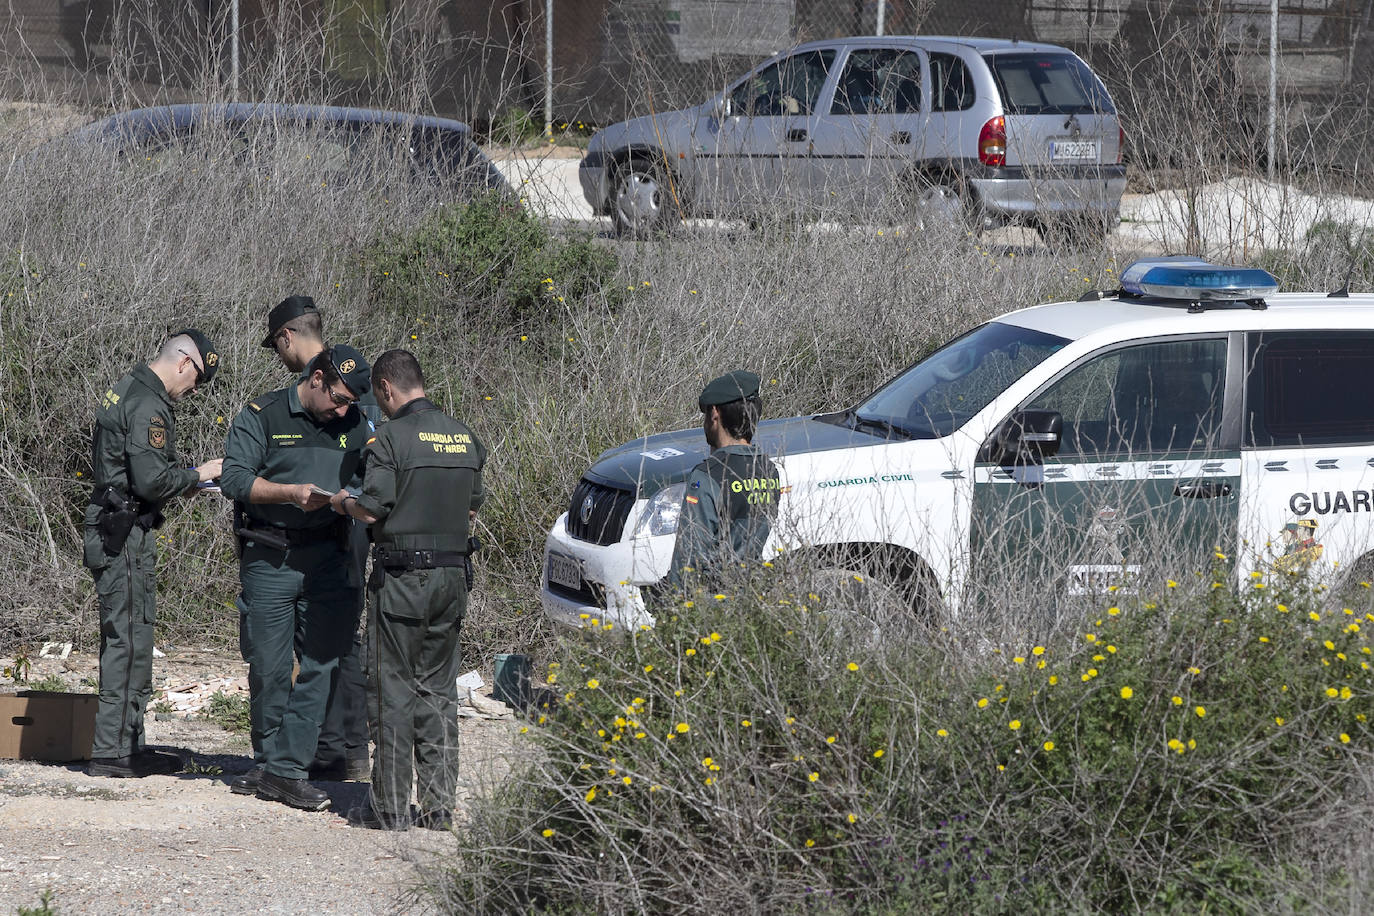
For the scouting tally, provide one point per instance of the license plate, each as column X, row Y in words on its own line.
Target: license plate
column 565, row 571
column 1073, row 150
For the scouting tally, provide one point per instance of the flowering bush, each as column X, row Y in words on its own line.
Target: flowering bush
column 1168, row 753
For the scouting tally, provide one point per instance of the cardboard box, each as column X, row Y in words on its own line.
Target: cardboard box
column 39, row 725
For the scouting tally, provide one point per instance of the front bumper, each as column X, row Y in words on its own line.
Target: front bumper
column 593, row 173
column 610, row 578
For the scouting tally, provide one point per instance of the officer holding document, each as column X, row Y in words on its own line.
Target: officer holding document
column 136, row 469
column 287, row 453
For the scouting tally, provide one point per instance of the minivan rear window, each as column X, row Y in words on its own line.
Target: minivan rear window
column 1036, row 83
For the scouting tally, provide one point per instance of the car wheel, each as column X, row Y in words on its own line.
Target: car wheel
column 941, row 204
column 641, row 202
column 1083, row 231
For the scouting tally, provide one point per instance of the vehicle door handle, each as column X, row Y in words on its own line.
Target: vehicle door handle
column 901, row 137
column 1202, row 489
column 796, row 134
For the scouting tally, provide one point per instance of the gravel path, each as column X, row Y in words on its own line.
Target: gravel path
column 186, row 844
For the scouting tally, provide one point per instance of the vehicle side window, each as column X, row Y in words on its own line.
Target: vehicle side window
column 951, row 85
column 1151, row 398
column 792, row 86
column 1309, row 388
column 879, row 81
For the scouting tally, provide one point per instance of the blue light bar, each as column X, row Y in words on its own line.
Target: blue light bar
column 1195, row 280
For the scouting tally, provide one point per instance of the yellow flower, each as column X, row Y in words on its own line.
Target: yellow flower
column 1020, row 660
column 1278, row 720
column 593, row 684
column 853, row 818
column 878, row 753
column 1038, row 651
column 648, row 668
column 1176, row 700
column 1345, row 739
column 1172, row 584
column 809, row 843
column 548, row 832
column 830, row 740
column 982, row 702
column 1176, row 745
column 942, row 733
column 591, row 794
column 1127, row 693
column 1048, row 745
column 813, row 776
column 852, row 667
column 1201, row 711
column 1194, row 670
column 1313, row 615
column 1090, row 637
column 745, row 722
column 1332, row 692
column 1014, row 724
column 1113, row 611
column 1330, row 646
column 683, row 728
column 1054, row 679
column 1283, row 608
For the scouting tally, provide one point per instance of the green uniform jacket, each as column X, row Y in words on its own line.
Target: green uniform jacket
column 277, row 439
column 728, row 511
column 133, row 448
column 424, row 472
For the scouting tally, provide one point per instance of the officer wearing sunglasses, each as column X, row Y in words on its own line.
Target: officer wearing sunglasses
column 286, row 453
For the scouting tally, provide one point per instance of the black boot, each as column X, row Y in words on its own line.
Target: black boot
column 294, row 792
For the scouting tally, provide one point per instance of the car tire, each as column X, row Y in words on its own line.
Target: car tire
column 1082, row 232
column 940, row 203
column 642, row 202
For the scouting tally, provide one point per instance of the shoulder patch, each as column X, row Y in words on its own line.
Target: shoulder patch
column 157, row 435
column 692, row 499
column 156, row 420
column 371, row 439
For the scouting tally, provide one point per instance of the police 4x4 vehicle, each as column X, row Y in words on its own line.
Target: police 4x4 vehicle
column 1196, row 400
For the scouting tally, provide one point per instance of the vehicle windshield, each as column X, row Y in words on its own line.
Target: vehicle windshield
column 1037, row 83
column 943, row 391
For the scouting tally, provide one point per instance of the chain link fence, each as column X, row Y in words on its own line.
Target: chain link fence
column 1204, row 64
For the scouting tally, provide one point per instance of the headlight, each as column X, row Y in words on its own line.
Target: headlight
column 661, row 515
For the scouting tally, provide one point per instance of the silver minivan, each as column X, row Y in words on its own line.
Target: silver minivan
column 984, row 131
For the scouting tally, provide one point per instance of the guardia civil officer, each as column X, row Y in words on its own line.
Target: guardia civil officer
column 136, row 469
column 731, row 499
column 295, row 332
column 287, row 451
column 423, row 487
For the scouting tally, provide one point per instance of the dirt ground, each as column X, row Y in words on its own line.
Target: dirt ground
column 186, row 844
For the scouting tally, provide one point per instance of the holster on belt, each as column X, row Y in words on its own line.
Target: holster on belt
column 118, row 516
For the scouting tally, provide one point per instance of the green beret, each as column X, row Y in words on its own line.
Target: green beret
column 289, row 308
column 734, row 386
column 353, row 369
column 209, row 356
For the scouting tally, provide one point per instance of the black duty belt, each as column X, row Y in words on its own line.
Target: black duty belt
column 283, row 538
column 392, row 558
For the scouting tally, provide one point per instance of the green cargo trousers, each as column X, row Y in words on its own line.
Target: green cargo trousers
column 126, row 588
column 297, row 604
column 412, row 659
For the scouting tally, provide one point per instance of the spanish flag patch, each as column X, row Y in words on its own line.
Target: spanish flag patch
column 693, row 500
column 371, row 440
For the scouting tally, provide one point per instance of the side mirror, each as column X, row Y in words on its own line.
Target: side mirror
column 1027, row 437
column 724, row 108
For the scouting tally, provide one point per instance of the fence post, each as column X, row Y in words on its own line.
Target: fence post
column 548, row 69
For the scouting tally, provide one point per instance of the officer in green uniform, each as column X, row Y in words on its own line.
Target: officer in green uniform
column 731, row 499
column 287, row 451
column 295, row 332
column 423, row 487
column 136, row 469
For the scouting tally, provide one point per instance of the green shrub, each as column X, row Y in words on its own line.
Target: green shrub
column 230, row 711
column 1168, row 755
column 488, row 258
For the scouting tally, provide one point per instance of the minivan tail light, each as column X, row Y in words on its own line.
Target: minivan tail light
column 992, row 142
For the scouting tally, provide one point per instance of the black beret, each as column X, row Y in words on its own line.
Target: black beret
column 733, row 386
column 209, row 356
column 353, row 369
column 289, row 308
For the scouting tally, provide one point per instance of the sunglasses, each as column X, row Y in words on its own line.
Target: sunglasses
column 340, row 400
column 200, row 373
